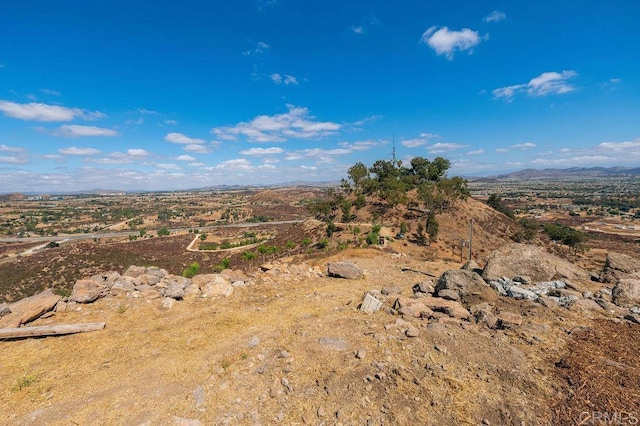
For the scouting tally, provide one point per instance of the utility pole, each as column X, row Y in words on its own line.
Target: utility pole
column 470, row 237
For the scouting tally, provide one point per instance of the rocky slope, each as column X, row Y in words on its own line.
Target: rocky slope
column 289, row 344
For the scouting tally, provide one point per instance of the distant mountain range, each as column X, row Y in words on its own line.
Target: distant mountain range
column 580, row 173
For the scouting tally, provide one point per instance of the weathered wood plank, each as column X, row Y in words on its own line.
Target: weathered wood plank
column 51, row 330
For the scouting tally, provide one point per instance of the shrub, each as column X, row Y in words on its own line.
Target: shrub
column 192, row 270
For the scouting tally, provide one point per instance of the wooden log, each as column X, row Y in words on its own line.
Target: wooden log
column 49, row 330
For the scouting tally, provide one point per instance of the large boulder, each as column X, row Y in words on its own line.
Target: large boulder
column 216, row 285
column 618, row 266
column 515, row 259
column 626, row 293
column 346, row 270
column 88, row 290
column 469, row 286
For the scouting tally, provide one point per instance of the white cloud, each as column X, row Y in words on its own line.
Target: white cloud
column 74, row 130
column 166, row 166
column 195, row 164
column 267, row 166
column 260, row 49
column 618, row 147
column 7, row 148
column 137, row 152
column 262, row 151
column 446, row 42
column 422, row 140
column 172, row 122
column 147, row 111
column 495, row 16
column 317, row 154
column 72, row 150
column 441, row 147
column 185, row 158
column 199, row 149
column 358, row 30
column 180, row 138
column 360, row 145
column 294, row 124
column 547, row 83
column 51, row 92
column 286, row 79
column 519, row 146
column 476, row 152
column 47, row 113
column 236, row 164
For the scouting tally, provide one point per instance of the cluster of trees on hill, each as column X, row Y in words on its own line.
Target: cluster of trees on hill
column 391, row 182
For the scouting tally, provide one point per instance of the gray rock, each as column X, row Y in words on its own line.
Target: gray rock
column 517, row 259
column 449, row 294
column 633, row 318
column 175, row 289
column 198, row 396
column 423, row 287
column 253, row 342
column 370, row 304
column 412, row 332
column 179, row 421
column 524, row 280
column 124, row 284
column 626, row 293
column 87, row 291
column 4, row 309
column 470, row 286
column 345, row 270
column 167, row 303
column 334, row 343
column 471, row 265
column 521, row 293
column 485, row 317
column 387, row 290
column 217, row 286
column 135, row 271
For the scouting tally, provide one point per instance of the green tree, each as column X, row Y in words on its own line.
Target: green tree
column 358, row 173
column 163, row 232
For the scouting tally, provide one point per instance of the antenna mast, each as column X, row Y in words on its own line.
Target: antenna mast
column 393, row 153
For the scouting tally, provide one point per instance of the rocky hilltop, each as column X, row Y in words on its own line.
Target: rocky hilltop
column 366, row 336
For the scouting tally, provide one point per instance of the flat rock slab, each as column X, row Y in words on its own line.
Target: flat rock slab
column 370, row 304
column 29, row 309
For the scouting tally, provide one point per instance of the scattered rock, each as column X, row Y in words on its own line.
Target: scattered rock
column 167, row 303
column 370, row 304
column 4, row 309
column 423, row 287
column 87, row 291
column 412, row 307
column 517, row 259
column 198, row 396
column 469, row 286
column 485, row 317
column 412, row 332
column 387, row 290
column 449, row 294
column 253, row 342
column 509, row 319
column 345, row 270
column 520, row 293
column 361, row 353
column 334, row 343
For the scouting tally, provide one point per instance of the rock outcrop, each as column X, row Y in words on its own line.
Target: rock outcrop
column 515, row 259
column 345, row 270
column 619, row 266
column 469, row 287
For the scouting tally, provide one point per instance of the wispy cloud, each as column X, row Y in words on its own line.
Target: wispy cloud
column 260, row 49
column 35, row 111
column 182, row 139
column 547, row 83
column 137, row 152
column 185, row 158
column 360, row 145
column 319, row 155
column 517, row 147
column 51, row 92
column 76, row 131
column 197, row 148
column 424, row 139
column 7, row 148
column 284, row 79
column 476, row 152
column 442, row 147
column 73, row 150
column 297, row 123
column 495, row 16
column 262, row 151
column 358, row 30
column 446, row 42
column 168, row 166
column 236, row 164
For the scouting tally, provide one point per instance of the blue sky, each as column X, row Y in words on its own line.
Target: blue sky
column 177, row 95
